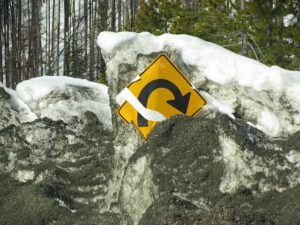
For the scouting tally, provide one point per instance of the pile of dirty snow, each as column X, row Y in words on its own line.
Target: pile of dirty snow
column 61, row 98
column 266, row 97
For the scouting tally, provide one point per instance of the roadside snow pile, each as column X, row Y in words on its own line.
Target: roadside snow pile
column 61, row 98
column 13, row 108
column 266, row 97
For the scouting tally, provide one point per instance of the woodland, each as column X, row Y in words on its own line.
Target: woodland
column 59, row 37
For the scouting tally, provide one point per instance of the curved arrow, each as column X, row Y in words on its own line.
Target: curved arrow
column 180, row 102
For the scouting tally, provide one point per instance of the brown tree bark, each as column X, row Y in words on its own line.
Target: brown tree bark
column 85, row 7
column 14, row 71
column 66, row 38
column 113, row 15
column 36, row 39
column 51, row 64
column 92, row 43
column 119, row 9
column 7, row 78
column 244, row 34
column 20, row 43
column 1, row 43
column 270, row 26
column 58, row 39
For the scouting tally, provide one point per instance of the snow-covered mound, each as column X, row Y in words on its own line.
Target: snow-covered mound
column 61, row 98
column 12, row 109
column 232, row 155
column 266, row 97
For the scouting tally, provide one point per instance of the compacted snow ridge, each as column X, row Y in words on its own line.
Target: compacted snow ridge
column 19, row 107
column 267, row 97
column 60, row 97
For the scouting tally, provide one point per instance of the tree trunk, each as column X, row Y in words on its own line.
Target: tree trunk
column 14, row 71
column 20, row 43
column 49, row 39
column 131, row 8
column 85, row 6
column 29, row 63
column 270, row 25
column 51, row 62
column 1, row 45
column 36, row 38
column 244, row 34
column 113, row 15
column 298, row 13
column 58, row 40
column 7, row 78
column 66, row 38
column 103, row 19
column 119, row 7
column 92, row 47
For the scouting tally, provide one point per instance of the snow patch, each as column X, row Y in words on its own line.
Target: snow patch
column 108, row 40
column 24, row 175
column 12, row 158
column 269, row 123
column 21, row 110
column 37, row 88
column 61, row 98
column 214, row 103
column 138, row 189
column 289, row 20
column 244, row 168
column 237, row 171
column 294, row 157
column 61, row 203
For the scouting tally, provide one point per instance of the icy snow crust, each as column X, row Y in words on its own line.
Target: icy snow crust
column 61, row 98
column 266, row 97
column 20, row 109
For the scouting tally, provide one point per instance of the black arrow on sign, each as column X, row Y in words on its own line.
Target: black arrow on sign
column 180, row 102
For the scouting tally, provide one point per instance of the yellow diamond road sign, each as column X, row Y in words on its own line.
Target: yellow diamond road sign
column 160, row 92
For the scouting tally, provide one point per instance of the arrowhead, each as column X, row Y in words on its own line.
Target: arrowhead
column 181, row 103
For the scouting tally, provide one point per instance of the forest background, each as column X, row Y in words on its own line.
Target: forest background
column 58, row 37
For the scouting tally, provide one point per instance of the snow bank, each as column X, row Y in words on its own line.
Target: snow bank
column 19, row 108
column 289, row 20
column 267, row 97
column 60, row 98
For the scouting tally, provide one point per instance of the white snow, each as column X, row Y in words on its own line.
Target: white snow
column 60, row 98
column 21, row 110
column 215, row 104
column 108, row 40
column 267, row 97
column 37, row 88
column 24, row 175
column 289, row 20
column 293, row 157
column 242, row 166
column 138, row 189
column 270, row 122
column 63, row 204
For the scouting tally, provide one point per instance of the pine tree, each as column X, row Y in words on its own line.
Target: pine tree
column 149, row 18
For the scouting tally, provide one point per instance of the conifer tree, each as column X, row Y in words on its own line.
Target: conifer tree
column 149, row 18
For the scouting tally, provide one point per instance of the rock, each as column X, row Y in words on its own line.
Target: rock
column 212, row 169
